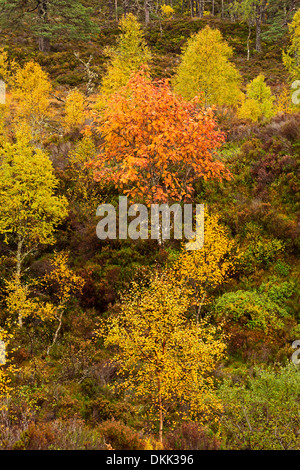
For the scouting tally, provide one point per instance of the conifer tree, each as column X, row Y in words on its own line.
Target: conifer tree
column 48, row 19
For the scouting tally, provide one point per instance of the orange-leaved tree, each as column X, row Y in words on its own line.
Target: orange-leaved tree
column 155, row 144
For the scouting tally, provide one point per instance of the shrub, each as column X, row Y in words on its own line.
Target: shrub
column 121, row 437
column 101, row 409
column 191, row 436
column 259, row 101
column 260, row 252
column 253, row 309
column 263, row 413
column 59, row 435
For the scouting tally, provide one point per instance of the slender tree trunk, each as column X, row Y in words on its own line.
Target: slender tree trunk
column 199, row 308
column 258, row 28
column 44, row 42
column 161, row 417
column 116, row 10
column 192, row 8
column 260, row 11
column 201, row 8
column 18, row 274
column 248, row 41
column 111, row 9
column 222, row 9
column 147, row 11
column 125, row 7
column 57, row 331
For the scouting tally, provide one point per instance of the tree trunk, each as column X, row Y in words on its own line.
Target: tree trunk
column 18, row 274
column 258, row 28
column 116, row 10
column 44, row 42
column 125, row 7
column 147, row 12
column 259, row 15
column 56, row 331
column 161, row 418
column 111, row 9
column 201, row 8
column 248, row 41
column 192, row 8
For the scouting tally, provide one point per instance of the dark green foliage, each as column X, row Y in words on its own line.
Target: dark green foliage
column 49, row 19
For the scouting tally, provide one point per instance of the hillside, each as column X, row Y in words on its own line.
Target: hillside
column 92, row 326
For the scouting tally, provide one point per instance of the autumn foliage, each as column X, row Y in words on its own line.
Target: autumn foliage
column 138, row 340
column 155, row 144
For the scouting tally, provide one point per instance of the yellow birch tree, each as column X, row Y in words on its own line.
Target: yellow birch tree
column 165, row 359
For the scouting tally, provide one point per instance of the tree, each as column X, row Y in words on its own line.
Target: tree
column 163, row 358
column 64, row 283
column 7, row 369
column 155, row 144
column 29, row 209
column 278, row 14
column 259, row 101
column 32, row 89
column 246, row 11
column 22, row 304
column 130, row 53
column 291, row 58
column 83, row 191
column 49, row 19
column 250, row 309
column 205, row 69
column 262, row 413
column 203, row 270
column 8, row 66
column 252, row 11
column 167, row 11
column 74, row 110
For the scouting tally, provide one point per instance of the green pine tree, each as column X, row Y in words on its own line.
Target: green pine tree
column 48, row 19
